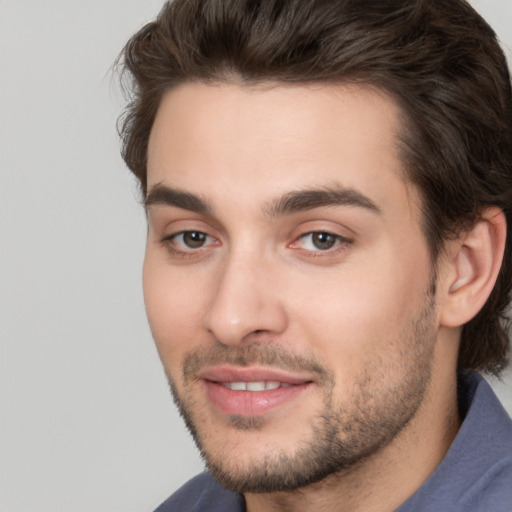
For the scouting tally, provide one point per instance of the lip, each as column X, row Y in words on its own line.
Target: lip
column 228, row 373
column 251, row 403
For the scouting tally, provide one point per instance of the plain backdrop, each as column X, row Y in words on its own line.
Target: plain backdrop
column 86, row 420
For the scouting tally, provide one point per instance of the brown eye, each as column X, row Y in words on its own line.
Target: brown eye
column 193, row 239
column 189, row 244
column 323, row 241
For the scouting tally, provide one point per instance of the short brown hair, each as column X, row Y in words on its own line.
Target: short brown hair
column 438, row 58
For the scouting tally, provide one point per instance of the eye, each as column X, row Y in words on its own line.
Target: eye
column 193, row 239
column 188, row 240
column 320, row 241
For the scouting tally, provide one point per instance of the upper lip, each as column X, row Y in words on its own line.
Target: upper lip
column 227, row 373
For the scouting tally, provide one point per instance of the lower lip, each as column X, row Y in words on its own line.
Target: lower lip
column 251, row 403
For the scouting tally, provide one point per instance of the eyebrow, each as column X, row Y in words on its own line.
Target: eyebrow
column 166, row 196
column 289, row 203
column 303, row 200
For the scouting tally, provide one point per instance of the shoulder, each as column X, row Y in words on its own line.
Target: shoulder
column 203, row 494
column 476, row 473
column 487, row 451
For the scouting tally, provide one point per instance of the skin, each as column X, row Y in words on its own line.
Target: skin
column 357, row 320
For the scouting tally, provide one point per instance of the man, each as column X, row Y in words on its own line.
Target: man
column 328, row 187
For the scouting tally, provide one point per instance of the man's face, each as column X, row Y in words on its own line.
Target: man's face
column 287, row 280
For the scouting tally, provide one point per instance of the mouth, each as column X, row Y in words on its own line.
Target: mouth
column 251, row 392
column 255, row 385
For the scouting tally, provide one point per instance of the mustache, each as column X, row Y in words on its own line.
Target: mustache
column 251, row 354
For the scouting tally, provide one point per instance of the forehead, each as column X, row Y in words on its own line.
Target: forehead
column 224, row 139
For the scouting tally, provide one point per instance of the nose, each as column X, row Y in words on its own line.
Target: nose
column 246, row 304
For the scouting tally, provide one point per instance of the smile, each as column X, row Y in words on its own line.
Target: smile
column 255, row 386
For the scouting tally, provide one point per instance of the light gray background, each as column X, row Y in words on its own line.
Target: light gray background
column 86, row 419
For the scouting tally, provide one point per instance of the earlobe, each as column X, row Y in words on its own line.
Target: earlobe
column 474, row 261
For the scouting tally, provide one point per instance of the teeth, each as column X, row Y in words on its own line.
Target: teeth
column 254, row 386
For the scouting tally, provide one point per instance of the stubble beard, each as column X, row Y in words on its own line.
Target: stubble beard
column 343, row 435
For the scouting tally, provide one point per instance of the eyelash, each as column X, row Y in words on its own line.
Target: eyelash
column 339, row 243
column 189, row 252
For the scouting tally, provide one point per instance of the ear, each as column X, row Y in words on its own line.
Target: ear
column 472, row 264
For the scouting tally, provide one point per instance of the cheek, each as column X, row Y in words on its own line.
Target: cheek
column 174, row 311
column 356, row 317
